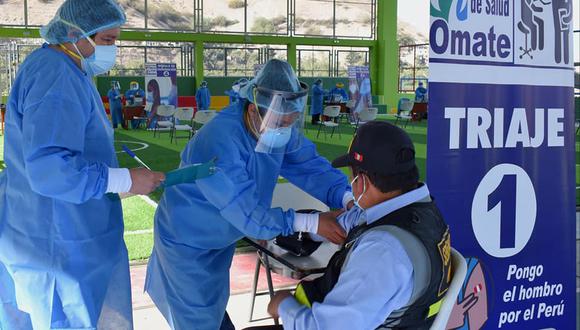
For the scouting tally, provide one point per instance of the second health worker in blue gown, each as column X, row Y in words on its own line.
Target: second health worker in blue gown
column 63, row 261
column 197, row 225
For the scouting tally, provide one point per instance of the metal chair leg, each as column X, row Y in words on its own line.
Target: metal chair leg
column 319, row 126
column 270, row 285
column 254, row 288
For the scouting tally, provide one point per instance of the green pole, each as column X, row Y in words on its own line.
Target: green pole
column 385, row 55
column 292, row 55
column 199, row 74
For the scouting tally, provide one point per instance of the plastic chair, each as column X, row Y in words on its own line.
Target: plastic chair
column 167, row 111
column 331, row 113
column 182, row 114
column 459, row 268
column 404, row 109
column 366, row 115
column 202, row 117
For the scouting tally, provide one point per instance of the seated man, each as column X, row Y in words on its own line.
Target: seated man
column 394, row 267
column 338, row 94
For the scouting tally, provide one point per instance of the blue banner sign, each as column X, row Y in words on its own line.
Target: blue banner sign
column 500, row 157
column 161, row 84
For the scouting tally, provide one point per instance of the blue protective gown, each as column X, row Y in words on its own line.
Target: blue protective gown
column 197, row 225
column 63, row 261
column 317, row 98
column 115, row 106
column 132, row 93
column 234, row 96
column 339, row 91
column 420, row 94
column 203, row 98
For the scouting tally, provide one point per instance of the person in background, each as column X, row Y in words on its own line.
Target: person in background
column 114, row 95
column 234, row 92
column 394, row 268
column 133, row 93
column 338, row 94
column 421, row 93
column 317, row 101
column 132, row 97
column 63, row 261
column 203, row 97
column 197, row 225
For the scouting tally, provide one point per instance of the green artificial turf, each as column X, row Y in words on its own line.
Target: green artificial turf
column 138, row 218
column 137, row 214
column 139, row 246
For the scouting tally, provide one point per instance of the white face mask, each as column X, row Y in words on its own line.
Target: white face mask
column 357, row 200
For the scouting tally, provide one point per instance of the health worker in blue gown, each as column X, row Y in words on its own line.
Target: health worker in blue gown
column 134, row 93
column 197, row 225
column 317, row 101
column 63, row 261
column 203, row 97
column 338, row 94
column 421, row 93
column 115, row 106
column 234, row 92
column 135, row 96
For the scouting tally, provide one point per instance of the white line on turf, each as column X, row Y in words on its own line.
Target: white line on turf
column 141, row 145
column 148, row 200
column 139, row 232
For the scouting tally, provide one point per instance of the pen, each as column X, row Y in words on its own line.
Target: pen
column 132, row 154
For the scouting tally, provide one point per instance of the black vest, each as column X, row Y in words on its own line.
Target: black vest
column 425, row 222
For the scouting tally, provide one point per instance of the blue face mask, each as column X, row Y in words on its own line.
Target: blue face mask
column 276, row 138
column 102, row 60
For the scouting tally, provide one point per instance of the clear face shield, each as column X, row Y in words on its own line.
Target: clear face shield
column 281, row 122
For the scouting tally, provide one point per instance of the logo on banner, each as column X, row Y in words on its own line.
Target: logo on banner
column 482, row 30
column 474, row 30
column 533, row 27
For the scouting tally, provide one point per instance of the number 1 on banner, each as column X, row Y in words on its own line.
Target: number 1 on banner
column 503, row 211
column 504, row 198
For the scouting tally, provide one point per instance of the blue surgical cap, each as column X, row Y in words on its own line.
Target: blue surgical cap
column 77, row 19
column 276, row 75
